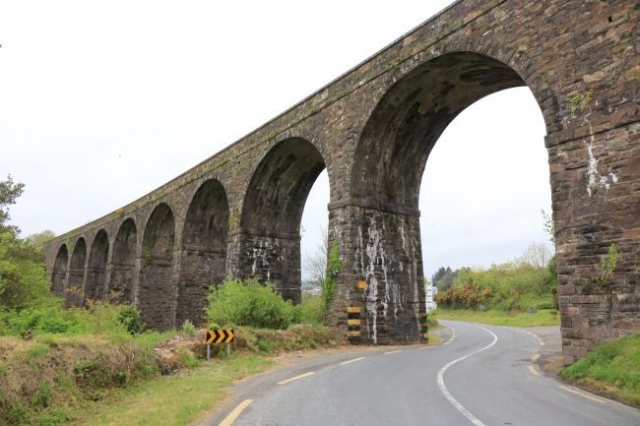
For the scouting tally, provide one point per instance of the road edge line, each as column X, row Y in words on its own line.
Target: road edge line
column 351, row 360
column 302, row 376
column 233, row 415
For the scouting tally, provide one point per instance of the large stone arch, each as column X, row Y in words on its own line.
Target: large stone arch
column 157, row 292
column 97, row 268
column 60, row 271
column 269, row 236
column 73, row 291
column 123, row 262
column 203, row 252
column 384, row 187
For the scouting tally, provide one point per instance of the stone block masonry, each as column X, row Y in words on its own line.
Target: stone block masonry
column 237, row 214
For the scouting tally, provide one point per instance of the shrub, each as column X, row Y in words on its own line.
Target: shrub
column 188, row 328
column 129, row 317
column 51, row 318
column 312, row 309
column 249, row 303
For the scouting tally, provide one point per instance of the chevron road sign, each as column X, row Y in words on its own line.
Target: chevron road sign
column 219, row 336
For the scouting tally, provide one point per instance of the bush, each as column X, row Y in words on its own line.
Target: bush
column 129, row 317
column 312, row 309
column 251, row 304
column 52, row 318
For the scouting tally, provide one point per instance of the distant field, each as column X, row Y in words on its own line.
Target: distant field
column 542, row 317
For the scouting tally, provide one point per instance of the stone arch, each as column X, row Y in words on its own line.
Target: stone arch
column 203, row 251
column 384, row 188
column 75, row 282
column 411, row 116
column 97, row 267
column 60, row 271
column 123, row 262
column 156, row 294
column 272, row 211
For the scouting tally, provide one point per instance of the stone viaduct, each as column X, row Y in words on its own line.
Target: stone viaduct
column 238, row 213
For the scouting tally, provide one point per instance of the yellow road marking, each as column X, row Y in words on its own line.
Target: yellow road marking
column 351, row 360
column 302, row 376
column 353, row 322
column 353, row 310
column 228, row 421
column 582, row 394
column 392, row 352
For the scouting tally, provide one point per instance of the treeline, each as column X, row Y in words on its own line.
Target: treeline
column 518, row 285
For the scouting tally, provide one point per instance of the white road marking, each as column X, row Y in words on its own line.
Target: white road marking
column 228, row 421
column 392, row 352
column 582, row 394
column 453, row 336
column 533, row 370
column 352, row 360
column 530, row 333
column 473, row 419
column 293, row 379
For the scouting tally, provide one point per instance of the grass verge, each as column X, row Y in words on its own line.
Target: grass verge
column 543, row 317
column 611, row 369
column 153, row 378
column 174, row 400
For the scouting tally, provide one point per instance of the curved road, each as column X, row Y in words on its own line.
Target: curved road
column 483, row 376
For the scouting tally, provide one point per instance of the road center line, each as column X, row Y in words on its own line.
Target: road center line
column 473, row 419
column 351, row 360
column 392, row 352
column 228, row 421
column 293, row 379
column 533, row 370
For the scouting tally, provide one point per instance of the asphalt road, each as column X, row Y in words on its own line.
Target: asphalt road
column 483, row 375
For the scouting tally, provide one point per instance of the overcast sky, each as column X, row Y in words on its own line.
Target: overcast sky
column 103, row 101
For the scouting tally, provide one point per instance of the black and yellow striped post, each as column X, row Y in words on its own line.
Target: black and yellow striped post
column 353, row 323
column 424, row 327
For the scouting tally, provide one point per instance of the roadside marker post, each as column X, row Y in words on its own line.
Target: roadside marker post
column 353, row 323
column 219, row 336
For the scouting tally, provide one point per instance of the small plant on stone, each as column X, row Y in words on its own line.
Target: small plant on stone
column 609, row 263
column 188, row 328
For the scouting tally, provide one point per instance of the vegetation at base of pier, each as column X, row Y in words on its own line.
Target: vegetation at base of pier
column 611, row 369
column 334, row 265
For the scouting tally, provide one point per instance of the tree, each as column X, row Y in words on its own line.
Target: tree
column 537, row 255
column 39, row 239
column 316, row 263
column 443, row 279
column 549, row 227
column 9, row 192
column 23, row 281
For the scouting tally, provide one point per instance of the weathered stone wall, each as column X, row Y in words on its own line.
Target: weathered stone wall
column 373, row 130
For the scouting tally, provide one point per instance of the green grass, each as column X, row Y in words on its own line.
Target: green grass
column 612, row 368
column 543, row 317
column 173, row 400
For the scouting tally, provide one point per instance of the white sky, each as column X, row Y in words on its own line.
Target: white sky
column 103, row 101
